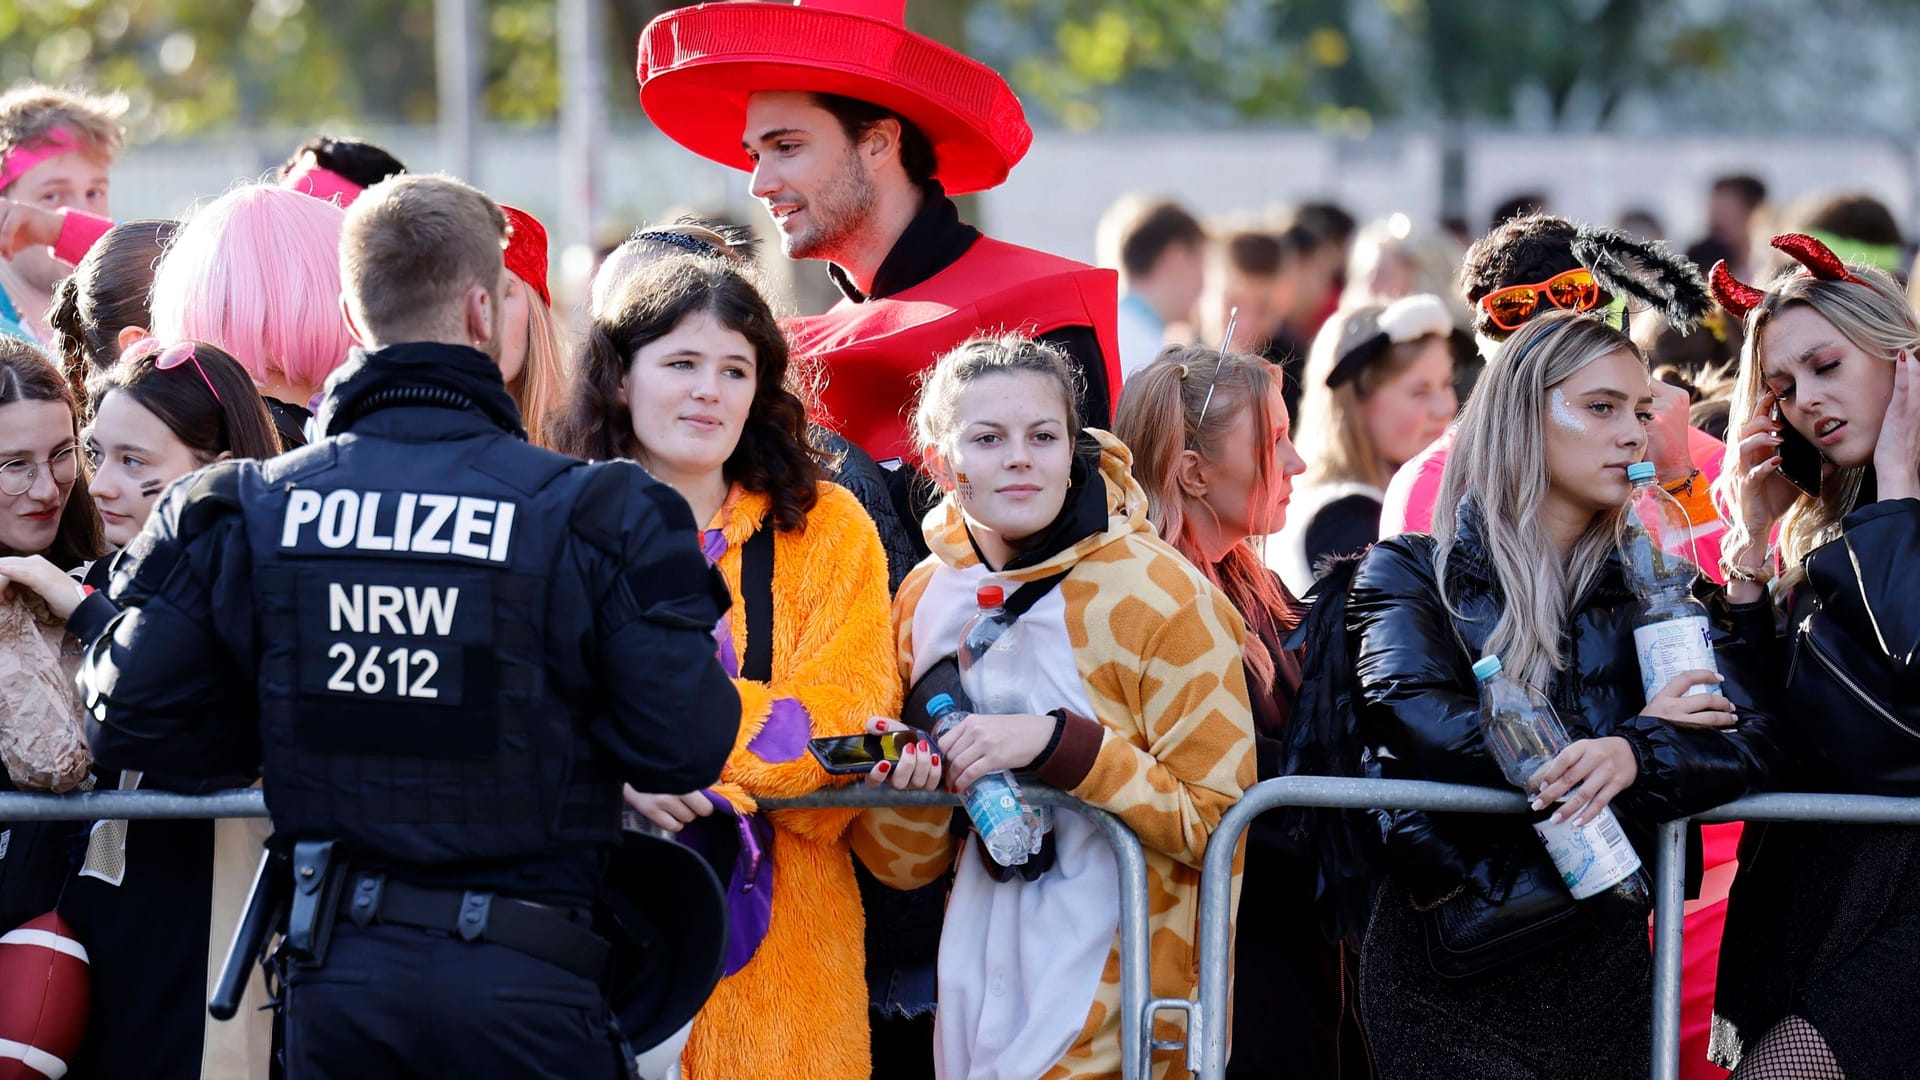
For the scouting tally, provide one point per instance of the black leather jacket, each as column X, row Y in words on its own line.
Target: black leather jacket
column 1420, row 703
column 1851, row 707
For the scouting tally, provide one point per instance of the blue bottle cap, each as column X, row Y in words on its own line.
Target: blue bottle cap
column 939, row 703
column 1640, row 471
column 1486, row 667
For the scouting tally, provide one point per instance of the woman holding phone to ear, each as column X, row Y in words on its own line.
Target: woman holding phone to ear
column 1823, row 927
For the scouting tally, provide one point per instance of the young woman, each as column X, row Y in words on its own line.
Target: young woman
column 1524, row 565
column 1379, row 389
column 1823, row 928
column 155, row 902
column 101, row 308
column 1138, row 705
column 1209, row 434
column 689, row 380
column 45, row 513
column 256, row 272
column 531, row 360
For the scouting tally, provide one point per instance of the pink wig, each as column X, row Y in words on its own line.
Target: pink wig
column 257, row 273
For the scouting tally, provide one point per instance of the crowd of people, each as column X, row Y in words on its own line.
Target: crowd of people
column 319, row 488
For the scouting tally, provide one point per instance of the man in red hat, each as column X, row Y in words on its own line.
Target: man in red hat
column 856, row 130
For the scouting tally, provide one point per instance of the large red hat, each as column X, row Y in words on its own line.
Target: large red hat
column 698, row 64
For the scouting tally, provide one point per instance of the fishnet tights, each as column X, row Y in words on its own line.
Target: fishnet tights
column 1793, row 1050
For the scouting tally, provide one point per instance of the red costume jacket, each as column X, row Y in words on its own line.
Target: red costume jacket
column 872, row 351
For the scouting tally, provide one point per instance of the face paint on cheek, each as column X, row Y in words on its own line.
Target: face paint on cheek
column 1560, row 411
column 152, row 488
column 965, row 485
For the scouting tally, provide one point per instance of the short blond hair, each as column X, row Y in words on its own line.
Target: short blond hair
column 412, row 246
column 31, row 112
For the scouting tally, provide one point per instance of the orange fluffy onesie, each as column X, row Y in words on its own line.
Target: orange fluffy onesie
column 798, row 1008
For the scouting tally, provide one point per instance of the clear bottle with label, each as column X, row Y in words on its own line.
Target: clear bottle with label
column 1523, row 734
column 994, row 804
column 996, row 674
column 1671, row 633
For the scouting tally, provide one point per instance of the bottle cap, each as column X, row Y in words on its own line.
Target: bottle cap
column 939, row 703
column 1640, row 471
column 1486, row 667
column 990, row 596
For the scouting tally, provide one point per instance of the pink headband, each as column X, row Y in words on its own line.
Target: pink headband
column 311, row 178
column 20, row 159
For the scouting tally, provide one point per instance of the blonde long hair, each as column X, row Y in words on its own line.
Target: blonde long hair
column 1158, row 417
column 541, row 389
column 1874, row 316
column 1500, row 456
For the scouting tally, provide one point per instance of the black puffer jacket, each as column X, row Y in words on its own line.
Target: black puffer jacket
column 1419, row 701
column 1852, row 658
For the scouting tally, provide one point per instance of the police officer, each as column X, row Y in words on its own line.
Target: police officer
column 446, row 650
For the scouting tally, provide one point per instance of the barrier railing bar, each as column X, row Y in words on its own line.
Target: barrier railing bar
column 1669, row 911
column 1340, row 792
column 1207, row 1036
column 130, row 805
column 1129, row 859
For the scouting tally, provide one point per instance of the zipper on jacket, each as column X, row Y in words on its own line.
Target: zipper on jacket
column 1859, row 693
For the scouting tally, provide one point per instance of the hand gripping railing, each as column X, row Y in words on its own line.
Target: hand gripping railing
column 1129, row 859
column 1206, row 1030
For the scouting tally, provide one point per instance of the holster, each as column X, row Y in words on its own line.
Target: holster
column 318, row 878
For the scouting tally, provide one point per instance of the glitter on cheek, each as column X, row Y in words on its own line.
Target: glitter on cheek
column 1560, row 411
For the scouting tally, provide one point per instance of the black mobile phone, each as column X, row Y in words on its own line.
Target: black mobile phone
column 860, row 753
column 1800, row 461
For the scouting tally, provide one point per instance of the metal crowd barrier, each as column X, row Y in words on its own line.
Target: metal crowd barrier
column 1129, row 859
column 1206, row 1029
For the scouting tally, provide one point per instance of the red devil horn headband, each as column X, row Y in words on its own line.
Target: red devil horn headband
column 1735, row 297
column 1819, row 261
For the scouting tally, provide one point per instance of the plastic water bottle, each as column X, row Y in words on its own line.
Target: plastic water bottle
column 1670, row 630
column 1523, row 734
column 993, row 803
column 995, row 673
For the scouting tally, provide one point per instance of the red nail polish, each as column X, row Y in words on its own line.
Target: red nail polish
column 936, row 759
column 885, row 767
column 908, row 752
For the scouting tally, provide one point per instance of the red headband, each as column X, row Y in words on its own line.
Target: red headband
column 310, row 177
column 527, row 251
column 15, row 163
column 1816, row 259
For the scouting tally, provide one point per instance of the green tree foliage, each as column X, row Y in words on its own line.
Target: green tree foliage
column 199, row 65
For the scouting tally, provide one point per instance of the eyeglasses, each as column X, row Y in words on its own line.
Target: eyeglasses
column 17, row 476
column 171, row 357
column 1572, row 290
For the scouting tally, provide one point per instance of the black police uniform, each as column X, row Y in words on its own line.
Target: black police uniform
column 445, row 649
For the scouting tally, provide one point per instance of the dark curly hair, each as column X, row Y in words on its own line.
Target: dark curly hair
column 773, row 457
column 1522, row 251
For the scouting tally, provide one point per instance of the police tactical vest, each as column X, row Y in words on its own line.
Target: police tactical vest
column 405, row 700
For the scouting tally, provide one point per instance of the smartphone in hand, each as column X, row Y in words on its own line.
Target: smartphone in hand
column 842, row 754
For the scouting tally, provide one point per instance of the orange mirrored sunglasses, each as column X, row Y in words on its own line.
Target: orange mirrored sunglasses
column 1572, row 290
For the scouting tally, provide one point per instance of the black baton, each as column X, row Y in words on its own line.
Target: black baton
column 266, row 908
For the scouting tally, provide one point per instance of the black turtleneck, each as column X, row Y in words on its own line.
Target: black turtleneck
column 934, row 240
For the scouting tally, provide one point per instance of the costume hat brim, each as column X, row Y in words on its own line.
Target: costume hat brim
column 697, row 66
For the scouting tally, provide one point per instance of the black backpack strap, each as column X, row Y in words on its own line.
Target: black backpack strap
column 756, row 596
column 1030, row 593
